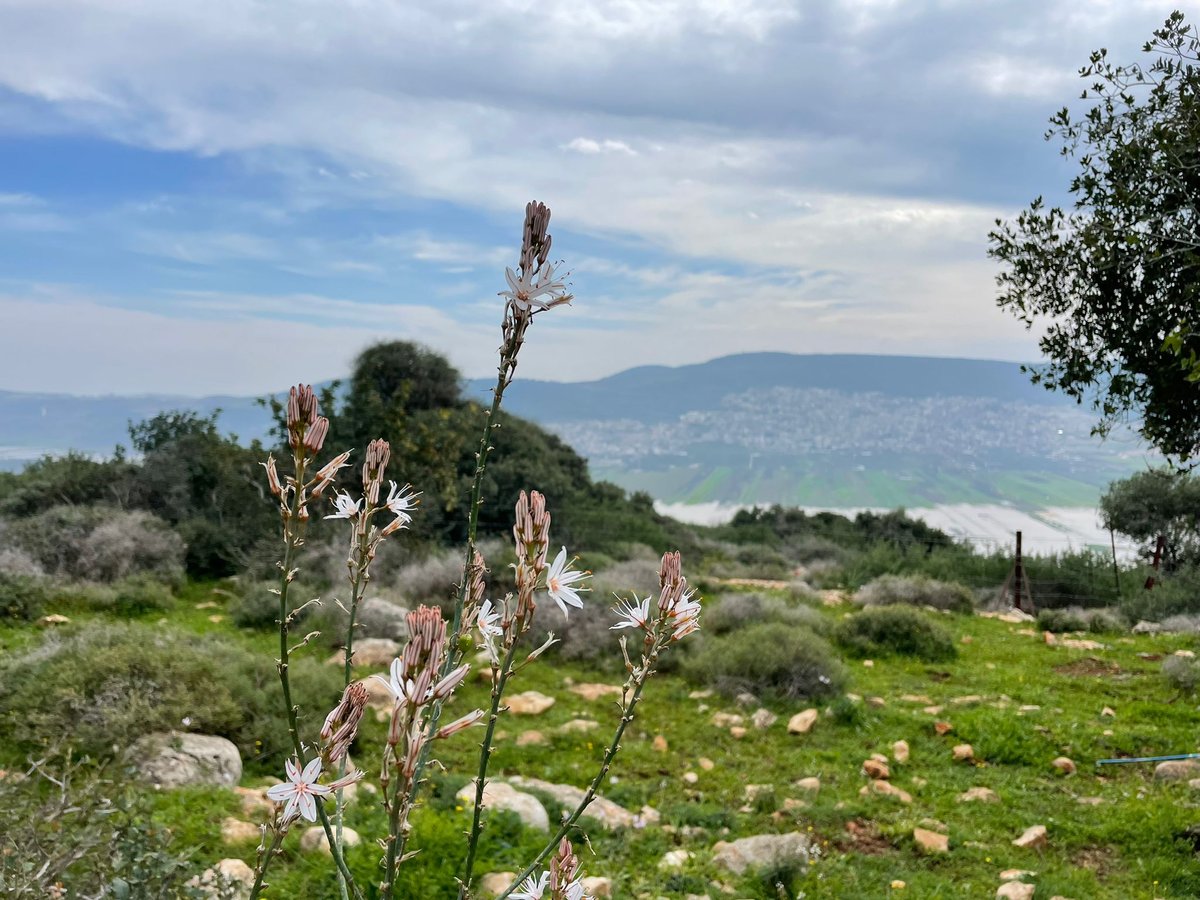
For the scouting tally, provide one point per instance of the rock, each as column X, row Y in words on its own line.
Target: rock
column 1028, row 707
column 1177, row 770
column 596, row 691
column 705, row 763
column 500, row 795
column 674, row 859
column 967, row 639
column 530, row 703
column 763, row 718
column 745, row 699
column 886, row 789
column 875, row 769
column 314, row 840
column 808, row 785
column 52, row 619
column 978, row 795
column 235, row 831
column 378, row 696
column 1016, row 874
column 930, row 842
column 530, row 738
column 208, row 604
column 1033, row 838
column 897, row 885
column 607, row 813
column 1016, row 890
column 255, row 803
column 802, row 722
column 967, row 700
column 659, row 744
column 598, row 886
column 933, row 710
column 176, row 759
column 216, row 619
column 725, row 720
column 876, row 702
column 690, row 777
column 737, row 731
column 900, row 751
column 700, row 695
column 1185, row 654
column 1144, row 627
column 575, row 726
column 373, row 652
column 868, row 663
column 1089, row 801
column 1049, row 638
column 493, row 884
column 1108, row 712
column 1064, row 765
column 754, row 791
column 762, row 851
column 916, row 698
column 1076, row 644
column 379, row 618
column 963, row 753
column 228, row 873
column 942, row 728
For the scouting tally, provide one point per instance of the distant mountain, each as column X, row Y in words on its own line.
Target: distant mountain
column 832, row 430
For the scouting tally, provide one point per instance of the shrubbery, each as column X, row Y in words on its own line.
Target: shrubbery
column 887, row 630
column 22, row 596
column 1074, row 618
column 735, row 611
column 1181, row 673
column 780, row 660
column 107, row 685
column 915, row 590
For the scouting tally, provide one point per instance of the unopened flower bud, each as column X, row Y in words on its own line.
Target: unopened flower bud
column 273, row 477
column 378, row 454
column 458, row 725
column 314, row 436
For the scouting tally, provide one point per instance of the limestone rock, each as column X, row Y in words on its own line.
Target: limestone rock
column 1016, row 890
column 809, row 785
column 607, row 813
column 378, row 696
column 942, row 728
column 598, row 886
column 875, row 770
column 674, row 859
column 576, row 725
column 53, row 619
column 493, row 884
column 762, row 851
column 530, row 703
column 900, row 751
column 886, row 789
column 376, row 652
column 737, row 731
column 978, row 795
column 660, row 744
column 500, row 795
column 763, row 718
column 176, row 759
column 219, row 879
column 1064, row 765
column 802, row 722
column 530, row 738
column 1034, row 838
column 235, row 831
column 255, row 803
column 1016, row 874
column 706, row 764
column 314, row 840
column 690, row 778
column 725, row 720
column 930, row 842
column 596, row 691
column 1144, row 627
column 1177, row 770
column 964, row 752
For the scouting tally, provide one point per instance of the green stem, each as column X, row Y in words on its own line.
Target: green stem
column 485, row 755
column 593, row 788
column 276, row 841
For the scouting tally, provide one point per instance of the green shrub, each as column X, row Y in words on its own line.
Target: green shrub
column 1074, row 618
column 141, row 594
column 1175, row 594
column 1182, row 674
column 22, row 597
column 106, row 685
column 916, row 590
column 255, row 605
column 783, row 660
column 731, row 612
column 885, row 630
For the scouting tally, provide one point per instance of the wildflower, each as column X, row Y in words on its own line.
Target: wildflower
column 488, row 623
column 533, row 889
column 459, row 724
column 399, row 502
column 528, row 290
column 301, row 789
column 341, row 725
column 685, row 616
column 574, row 891
column 634, row 614
column 559, row 580
column 272, row 476
column 346, row 507
column 403, row 690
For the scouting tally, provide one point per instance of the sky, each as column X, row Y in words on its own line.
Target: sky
column 235, row 195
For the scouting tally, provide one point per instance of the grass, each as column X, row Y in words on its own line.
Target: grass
column 1129, row 846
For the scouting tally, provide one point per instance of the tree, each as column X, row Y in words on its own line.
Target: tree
column 1156, row 502
column 1115, row 280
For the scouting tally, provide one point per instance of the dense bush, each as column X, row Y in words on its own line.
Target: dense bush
column 1178, row 594
column 1075, row 618
column 22, row 597
column 781, row 660
column 15, row 561
column 731, row 612
column 1181, row 673
column 255, row 604
column 915, row 590
column 107, row 685
column 886, row 630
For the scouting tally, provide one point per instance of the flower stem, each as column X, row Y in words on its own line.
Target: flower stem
column 261, row 869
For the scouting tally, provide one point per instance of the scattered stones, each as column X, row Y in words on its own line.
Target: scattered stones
column 235, row 831
column 1033, row 838
column 942, row 728
column 705, row 763
column 900, row 751
column 530, row 738
column 500, row 795
column 886, row 789
column 379, row 618
column 762, row 851
column 1015, row 890
column 978, row 795
column 52, row 619
column 373, row 652
column 576, row 726
column 674, row 859
column 802, row 722
column 216, row 881
column 176, row 759
column 810, row 785
column 1177, row 770
column 529, row 703
column 493, row 884
column 604, row 811
column 726, row 720
column 597, row 691
column 763, row 718
column 314, row 840
column 1064, row 765
column 659, row 744
column 930, row 842
column 876, row 770
column 963, row 753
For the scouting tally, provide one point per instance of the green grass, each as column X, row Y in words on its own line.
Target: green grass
column 1127, row 847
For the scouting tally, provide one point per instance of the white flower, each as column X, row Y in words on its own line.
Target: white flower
column 633, row 614
column 525, row 291
column 559, row 580
column 532, row 889
column 574, row 891
column 488, row 623
column 300, row 790
column 685, row 616
column 400, row 501
column 403, row 690
column 345, row 506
